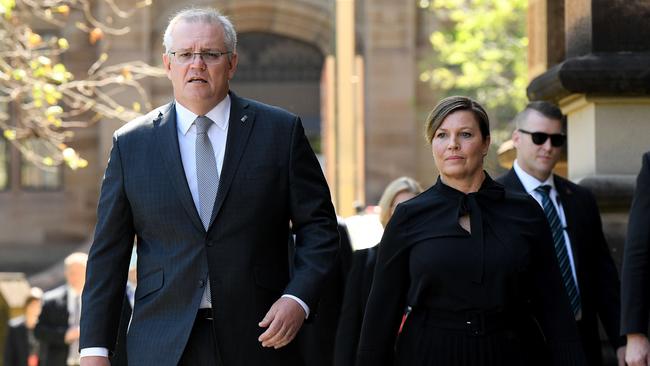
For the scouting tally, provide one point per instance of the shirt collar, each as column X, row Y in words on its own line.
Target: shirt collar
column 528, row 181
column 72, row 292
column 219, row 115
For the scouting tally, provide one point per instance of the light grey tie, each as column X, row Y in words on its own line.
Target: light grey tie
column 207, row 177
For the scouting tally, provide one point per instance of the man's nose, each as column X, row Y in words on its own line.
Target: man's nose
column 197, row 60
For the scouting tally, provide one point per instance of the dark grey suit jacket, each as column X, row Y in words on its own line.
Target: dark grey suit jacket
column 270, row 176
column 598, row 279
column 636, row 258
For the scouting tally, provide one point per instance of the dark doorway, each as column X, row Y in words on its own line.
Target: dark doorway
column 284, row 72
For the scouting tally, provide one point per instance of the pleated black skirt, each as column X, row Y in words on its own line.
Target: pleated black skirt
column 424, row 344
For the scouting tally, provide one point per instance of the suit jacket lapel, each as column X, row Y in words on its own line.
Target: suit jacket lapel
column 240, row 125
column 513, row 183
column 167, row 141
column 568, row 205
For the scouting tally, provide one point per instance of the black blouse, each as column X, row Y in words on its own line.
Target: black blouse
column 506, row 264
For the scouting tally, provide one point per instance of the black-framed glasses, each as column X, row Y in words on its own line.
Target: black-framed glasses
column 539, row 138
column 186, row 57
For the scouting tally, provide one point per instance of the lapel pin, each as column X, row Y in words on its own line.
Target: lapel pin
column 243, row 119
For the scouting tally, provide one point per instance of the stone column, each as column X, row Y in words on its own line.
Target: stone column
column 602, row 84
column 545, row 35
column 347, row 162
column 393, row 132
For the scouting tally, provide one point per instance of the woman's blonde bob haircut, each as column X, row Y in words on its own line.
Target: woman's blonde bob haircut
column 399, row 185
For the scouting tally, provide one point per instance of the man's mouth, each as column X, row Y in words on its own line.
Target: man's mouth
column 197, row 80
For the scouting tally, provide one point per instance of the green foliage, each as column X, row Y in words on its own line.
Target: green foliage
column 480, row 51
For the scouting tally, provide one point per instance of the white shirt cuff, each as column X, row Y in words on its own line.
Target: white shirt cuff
column 94, row 351
column 300, row 302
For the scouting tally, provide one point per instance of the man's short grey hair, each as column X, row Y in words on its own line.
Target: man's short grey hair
column 205, row 16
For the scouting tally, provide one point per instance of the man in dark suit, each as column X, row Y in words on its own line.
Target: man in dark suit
column 316, row 339
column 118, row 357
column 589, row 273
column 636, row 272
column 209, row 184
column 21, row 346
column 58, row 325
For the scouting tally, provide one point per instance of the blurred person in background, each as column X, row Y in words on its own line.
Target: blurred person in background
column 119, row 356
column 21, row 346
column 359, row 279
column 58, row 324
column 471, row 260
column 317, row 338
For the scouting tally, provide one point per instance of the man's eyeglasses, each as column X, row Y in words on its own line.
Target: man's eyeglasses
column 187, row 57
column 539, row 138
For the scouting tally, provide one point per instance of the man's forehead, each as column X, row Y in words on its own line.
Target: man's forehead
column 200, row 31
column 198, row 27
column 538, row 120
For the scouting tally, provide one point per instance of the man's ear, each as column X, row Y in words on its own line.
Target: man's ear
column 516, row 136
column 166, row 63
column 232, row 63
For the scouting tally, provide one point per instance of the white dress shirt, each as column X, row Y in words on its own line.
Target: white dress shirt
column 74, row 312
column 186, row 129
column 530, row 183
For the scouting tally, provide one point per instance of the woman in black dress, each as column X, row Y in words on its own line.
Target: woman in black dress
column 359, row 279
column 475, row 263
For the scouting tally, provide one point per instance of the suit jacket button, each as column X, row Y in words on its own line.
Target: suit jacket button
column 201, row 283
column 210, row 243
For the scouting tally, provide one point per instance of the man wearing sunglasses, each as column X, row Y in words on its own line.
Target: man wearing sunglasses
column 636, row 265
column 590, row 277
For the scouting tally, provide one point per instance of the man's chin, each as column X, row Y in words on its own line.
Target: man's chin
column 544, row 170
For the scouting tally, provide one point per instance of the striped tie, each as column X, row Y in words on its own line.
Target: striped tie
column 560, row 248
column 207, row 177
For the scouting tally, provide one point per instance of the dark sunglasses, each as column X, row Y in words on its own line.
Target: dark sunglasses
column 539, row 138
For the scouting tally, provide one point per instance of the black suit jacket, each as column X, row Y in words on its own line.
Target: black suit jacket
column 52, row 326
column 270, row 177
column 598, row 279
column 636, row 258
column 16, row 344
column 353, row 308
column 317, row 337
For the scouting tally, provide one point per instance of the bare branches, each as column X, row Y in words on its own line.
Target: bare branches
column 46, row 102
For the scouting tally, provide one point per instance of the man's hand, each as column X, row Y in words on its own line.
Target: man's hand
column 94, row 361
column 638, row 350
column 71, row 335
column 620, row 355
column 283, row 321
